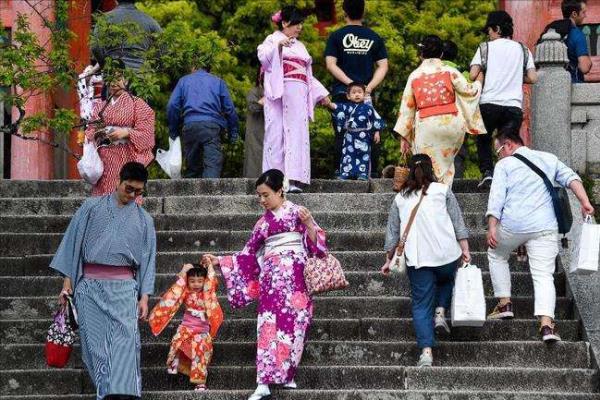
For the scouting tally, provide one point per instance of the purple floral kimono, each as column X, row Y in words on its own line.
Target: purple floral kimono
column 270, row 269
column 291, row 94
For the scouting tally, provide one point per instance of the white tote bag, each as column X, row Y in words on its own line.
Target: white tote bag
column 171, row 160
column 589, row 248
column 468, row 299
column 90, row 166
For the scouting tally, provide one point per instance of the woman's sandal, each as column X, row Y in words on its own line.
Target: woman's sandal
column 200, row 388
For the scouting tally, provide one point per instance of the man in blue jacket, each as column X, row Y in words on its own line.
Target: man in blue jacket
column 201, row 103
column 580, row 62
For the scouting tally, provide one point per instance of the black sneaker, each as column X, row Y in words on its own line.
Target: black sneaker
column 502, row 312
column 549, row 334
column 486, row 181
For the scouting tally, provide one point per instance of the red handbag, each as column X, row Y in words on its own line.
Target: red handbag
column 61, row 336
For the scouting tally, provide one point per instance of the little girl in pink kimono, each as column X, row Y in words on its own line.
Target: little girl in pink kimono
column 291, row 94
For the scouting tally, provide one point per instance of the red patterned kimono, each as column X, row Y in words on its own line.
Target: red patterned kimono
column 191, row 347
column 126, row 111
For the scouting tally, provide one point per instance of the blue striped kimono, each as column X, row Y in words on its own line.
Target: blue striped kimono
column 101, row 232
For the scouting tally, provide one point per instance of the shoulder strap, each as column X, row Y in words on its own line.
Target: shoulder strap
column 483, row 52
column 413, row 214
column 525, row 57
column 538, row 171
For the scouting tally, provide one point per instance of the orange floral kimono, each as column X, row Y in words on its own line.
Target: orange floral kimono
column 191, row 347
column 438, row 106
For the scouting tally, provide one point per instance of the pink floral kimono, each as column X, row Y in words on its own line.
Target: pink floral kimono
column 270, row 269
column 291, row 93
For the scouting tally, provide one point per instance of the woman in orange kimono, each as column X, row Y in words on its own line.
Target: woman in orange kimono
column 191, row 347
column 438, row 107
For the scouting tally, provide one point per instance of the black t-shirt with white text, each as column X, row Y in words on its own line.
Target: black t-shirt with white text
column 356, row 48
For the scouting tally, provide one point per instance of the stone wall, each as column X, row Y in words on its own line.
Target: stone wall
column 585, row 129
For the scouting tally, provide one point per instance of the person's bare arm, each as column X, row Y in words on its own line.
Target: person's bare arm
column 531, row 77
column 474, row 72
column 584, row 63
column 332, row 67
column 380, row 71
column 586, row 207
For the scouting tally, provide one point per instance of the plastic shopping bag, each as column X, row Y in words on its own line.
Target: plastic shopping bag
column 90, row 166
column 171, row 160
column 468, row 299
column 589, row 248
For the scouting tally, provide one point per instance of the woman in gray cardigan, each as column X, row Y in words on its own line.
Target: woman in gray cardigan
column 434, row 248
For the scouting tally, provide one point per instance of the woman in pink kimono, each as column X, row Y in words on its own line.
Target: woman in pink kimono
column 270, row 269
column 291, row 93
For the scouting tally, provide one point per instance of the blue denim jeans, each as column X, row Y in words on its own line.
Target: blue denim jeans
column 202, row 150
column 431, row 287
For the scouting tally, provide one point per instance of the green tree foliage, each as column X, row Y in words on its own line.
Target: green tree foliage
column 243, row 24
column 27, row 64
column 223, row 35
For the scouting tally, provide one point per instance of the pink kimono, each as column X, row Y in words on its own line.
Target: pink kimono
column 291, row 93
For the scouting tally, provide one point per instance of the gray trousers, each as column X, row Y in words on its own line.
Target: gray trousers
column 202, row 150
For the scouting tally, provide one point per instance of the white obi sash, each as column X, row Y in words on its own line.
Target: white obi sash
column 281, row 243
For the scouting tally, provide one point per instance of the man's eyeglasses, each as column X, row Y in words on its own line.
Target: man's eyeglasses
column 499, row 150
column 131, row 189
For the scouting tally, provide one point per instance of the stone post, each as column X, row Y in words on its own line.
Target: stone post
column 551, row 105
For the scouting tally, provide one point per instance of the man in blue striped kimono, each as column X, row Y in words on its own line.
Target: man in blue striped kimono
column 107, row 258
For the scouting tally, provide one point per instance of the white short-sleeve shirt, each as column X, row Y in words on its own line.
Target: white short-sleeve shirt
column 504, row 75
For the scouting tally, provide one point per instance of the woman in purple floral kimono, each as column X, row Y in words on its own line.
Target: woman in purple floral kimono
column 270, row 269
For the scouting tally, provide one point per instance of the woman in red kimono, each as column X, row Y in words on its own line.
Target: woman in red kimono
column 127, row 124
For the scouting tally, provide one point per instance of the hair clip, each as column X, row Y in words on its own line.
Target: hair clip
column 276, row 18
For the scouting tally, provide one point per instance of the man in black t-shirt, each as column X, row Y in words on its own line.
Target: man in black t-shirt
column 355, row 53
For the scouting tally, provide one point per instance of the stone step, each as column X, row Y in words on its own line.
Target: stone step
column 331, row 220
column 367, row 329
column 209, row 204
column 190, row 187
column 321, row 377
column 506, row 354
column 361, row 284
column 20, row 244
column 23, row 308
column 170, row 262
column 343, row 394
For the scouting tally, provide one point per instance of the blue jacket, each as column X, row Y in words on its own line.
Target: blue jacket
column 201, row 97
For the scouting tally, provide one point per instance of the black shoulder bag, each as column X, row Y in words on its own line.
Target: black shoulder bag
column 560, row 201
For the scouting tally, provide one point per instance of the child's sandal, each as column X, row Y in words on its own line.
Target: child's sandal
column 200, row 388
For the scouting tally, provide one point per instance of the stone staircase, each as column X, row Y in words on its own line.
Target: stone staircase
column 361, row 345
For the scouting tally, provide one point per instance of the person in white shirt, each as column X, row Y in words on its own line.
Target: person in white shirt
column 520, row 212
column 436, row 242
column 506, row 65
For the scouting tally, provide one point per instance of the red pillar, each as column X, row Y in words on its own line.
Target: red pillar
column 80, row 23
column 529, row 17
column 31, row 159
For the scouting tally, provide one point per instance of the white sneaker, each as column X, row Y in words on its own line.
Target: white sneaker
column 294, row 189
column 261, row 392
column 426, row 360
column 441, row 326
column 291, row 385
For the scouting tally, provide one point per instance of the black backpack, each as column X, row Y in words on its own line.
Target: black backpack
column 561, row 26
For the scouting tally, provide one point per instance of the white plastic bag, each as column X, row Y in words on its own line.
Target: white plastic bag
column 171, row 160
column 468, row 299
column 589, row 248
column 90, row 166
